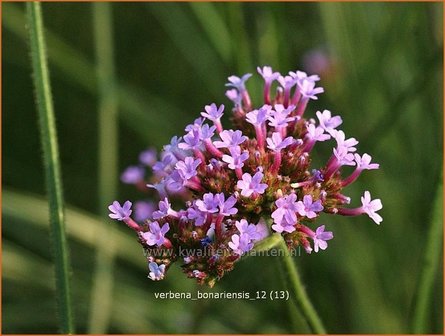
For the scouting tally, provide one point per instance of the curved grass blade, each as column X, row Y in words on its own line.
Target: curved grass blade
column 52, row 165
column 430, row 263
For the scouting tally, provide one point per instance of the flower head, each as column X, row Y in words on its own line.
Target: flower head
column 143, row 210
column 235, row 180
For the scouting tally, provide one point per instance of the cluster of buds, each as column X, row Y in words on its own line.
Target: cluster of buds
column 239, row 185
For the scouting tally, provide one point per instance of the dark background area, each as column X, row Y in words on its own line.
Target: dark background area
column 384, row 77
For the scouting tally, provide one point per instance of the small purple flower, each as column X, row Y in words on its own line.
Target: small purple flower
column 241, row 244
column 133, row 174
column 192, row 140
column 230, row 138
column 236, row 158
column 276, row 143
column 207, row 132
column 316, row 133
column 320, row 237
column 156, row 235
column 212, row 112
column 226, row 207
column 258, row 117
column 340, row 137
column 156, row 272
column 284, row 216
column 267, row 73
column 343, row 156
column 234, row 96
column 165, row 165
column 301, row 75
column 119, row 212
column 143, row 210
column 198, row 216
column 364, row 162
column 196, row 124
column 308, row 89
column 238, row 83
column 279, row 116
column 187, row 168
column 165, row 210
column 307, row 208
column 250, row 185
column 209, row 203
column 286, row 82
column 371, row 207
column 327, row 122
column 243, row 226
column 148, row 157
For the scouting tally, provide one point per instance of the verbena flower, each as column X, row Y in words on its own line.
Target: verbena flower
column 239, row 184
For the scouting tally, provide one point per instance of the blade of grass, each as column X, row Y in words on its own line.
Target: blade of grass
column 430, row 264
column 52, row 165
column 298, row 293
column 103, row 280
column 81, row 226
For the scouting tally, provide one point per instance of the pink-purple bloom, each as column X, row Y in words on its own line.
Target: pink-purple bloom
column 308, row 208
column 120, row 212
column 133, row 175
column 143, row 210
column 156, row 234
column 226, row 206
column 236, row 158
column 157, row 272
column 308, row 89
column 187, row 168
column 276, row 143
column 249, row 185
column 238, row 83
column 370, row 207
column 230, row 139
column 241, row 244
column 321, row 237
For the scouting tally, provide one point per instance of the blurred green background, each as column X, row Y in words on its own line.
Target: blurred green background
column 383, row 76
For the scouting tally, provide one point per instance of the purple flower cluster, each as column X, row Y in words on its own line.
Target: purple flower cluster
column 241, row 184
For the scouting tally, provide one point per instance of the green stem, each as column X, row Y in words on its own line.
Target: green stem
column 51, row 160
column 298, row 293
column 431, row 262
column 102, row 291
